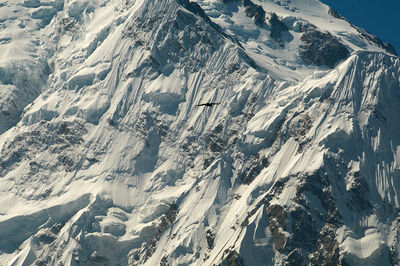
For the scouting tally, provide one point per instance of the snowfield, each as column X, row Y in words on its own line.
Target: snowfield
column 105, row 159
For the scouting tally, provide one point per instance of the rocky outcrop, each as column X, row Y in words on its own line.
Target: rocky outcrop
column 335, row 14
column 368, row 36
column 231, row 258
column 254, row 11
column 277, row 27
column 375, row 40
column 321, row 48
column 277, row 225
column 327, row 252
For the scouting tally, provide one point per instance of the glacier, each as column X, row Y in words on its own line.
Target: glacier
column 107, row 160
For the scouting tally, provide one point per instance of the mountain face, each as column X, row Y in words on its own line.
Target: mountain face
column 106, row 159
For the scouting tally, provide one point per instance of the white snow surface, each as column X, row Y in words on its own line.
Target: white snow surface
column 106, row 159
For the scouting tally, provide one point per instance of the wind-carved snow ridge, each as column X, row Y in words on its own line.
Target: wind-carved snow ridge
column 107, row 159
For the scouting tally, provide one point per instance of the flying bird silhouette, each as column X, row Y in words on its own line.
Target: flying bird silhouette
column 207, row 104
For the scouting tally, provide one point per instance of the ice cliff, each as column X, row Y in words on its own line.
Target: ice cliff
column 105, row 159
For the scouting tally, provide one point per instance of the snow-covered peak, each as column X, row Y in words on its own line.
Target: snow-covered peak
column 107, row 155
column 274, row 41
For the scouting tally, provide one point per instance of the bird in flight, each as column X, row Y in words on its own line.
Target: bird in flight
column 207, row 104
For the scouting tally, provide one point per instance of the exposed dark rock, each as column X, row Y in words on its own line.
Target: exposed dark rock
column 251, row 168
column 210, row 236
column 358, row 192
column 215, row 147
column 92, row 160
column 164, row 221
column 46, row 238
column 55, row 137
column 394, row 256
column 252, row 174
column 218, row 129
column 66, row 24
column 110, row 121
column 56, row 228
column 323, row 247
column 46, row 193
column 374, row 39
column 327, row 248
column 299, row 126
column 207, row 162
column 296, row 258
column 304, row 233
column 164, row 261
column 196, row 9
column 42, row 262
column 169, row 217
column 319, row 185
column 321, row 49
column 254, row 11
column 335, row 14
column 278, row 213
column 295, row 232
column 231, row 258
column 379, row 113
column 280, row 240
column 370, row 37
column 229, row 1
column 275, row 191
column 277, row 27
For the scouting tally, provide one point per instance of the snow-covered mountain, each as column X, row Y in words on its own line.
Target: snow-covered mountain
column 107, row 159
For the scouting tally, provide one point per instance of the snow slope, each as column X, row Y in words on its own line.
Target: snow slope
column 107, row 160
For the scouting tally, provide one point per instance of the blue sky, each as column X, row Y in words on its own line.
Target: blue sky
column 379, row 17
